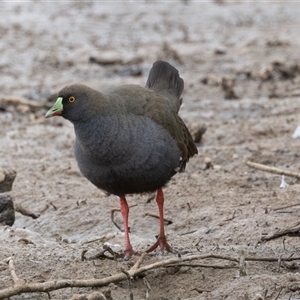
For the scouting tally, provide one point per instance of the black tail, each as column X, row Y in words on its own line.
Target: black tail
column 164, row 79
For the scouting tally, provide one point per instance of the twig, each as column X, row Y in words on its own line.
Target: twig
column 200, row 291
column 205, row 266
column 23, row 286
column 286, row 206
column 283, row 243
column 188, row 232
column 150, row 197
column 272, row 169
column 271, row 259
column 102, row 255
column 157, row 217
column 292, row 230
column 279, row 264
column 27, row 287
column 54, row 207
column 197, row 244
column 280, row 290
column 83, row 255
column 189, row 206
column 12, row 270
column 148, row 287
column 242, row 268
column 112, row 216
column 136, row 266
column 265, row 292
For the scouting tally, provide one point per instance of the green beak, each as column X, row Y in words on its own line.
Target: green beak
column 56, row 109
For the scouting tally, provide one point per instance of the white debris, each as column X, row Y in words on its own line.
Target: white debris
column 296, row 133
column 283, row 184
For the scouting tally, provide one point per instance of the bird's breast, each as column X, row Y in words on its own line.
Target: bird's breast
column 129, row 154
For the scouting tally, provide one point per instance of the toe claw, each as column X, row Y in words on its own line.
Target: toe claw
column 163, row 245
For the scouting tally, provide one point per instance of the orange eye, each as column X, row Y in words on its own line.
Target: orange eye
column 72, row 99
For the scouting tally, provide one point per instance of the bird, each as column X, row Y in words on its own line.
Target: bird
column 130, row 139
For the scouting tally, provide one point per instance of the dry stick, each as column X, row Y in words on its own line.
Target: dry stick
column 26, row 287
column 279, row 263
column 242, row 268
column 148, row 287
column 188, row 232
column 283, row 243
column 280, row 290
column 271, row 259
column 112, row 216
column 200, row 291
column 205, row 266
column 102, row 255
column 157, row 217
column 54, row 207
column 134, row 271
column 12, row 270
column 189, row 207
column 272, row 169
column 289, row 230
column 286, row 206
column 138, row 263
column 265, row 292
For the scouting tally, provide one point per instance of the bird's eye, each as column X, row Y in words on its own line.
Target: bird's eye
column 72, row 99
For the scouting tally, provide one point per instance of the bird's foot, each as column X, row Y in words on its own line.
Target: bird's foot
column 128, row 253
column 162, row 244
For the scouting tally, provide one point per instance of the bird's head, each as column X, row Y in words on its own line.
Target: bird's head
column 74, row 103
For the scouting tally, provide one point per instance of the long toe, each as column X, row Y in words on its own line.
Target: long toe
column 163, row 245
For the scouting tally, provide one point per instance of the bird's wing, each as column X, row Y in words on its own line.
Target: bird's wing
column 158, row 108
column 141, row 101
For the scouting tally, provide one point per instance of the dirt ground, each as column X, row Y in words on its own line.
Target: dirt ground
column 241, row 66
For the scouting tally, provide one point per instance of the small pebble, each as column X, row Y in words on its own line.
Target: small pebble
column 7, row 182
column 217, row 167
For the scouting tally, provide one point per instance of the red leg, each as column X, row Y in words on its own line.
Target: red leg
column 125, row 212
column 162, row 240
